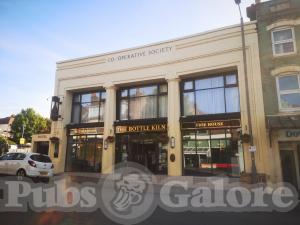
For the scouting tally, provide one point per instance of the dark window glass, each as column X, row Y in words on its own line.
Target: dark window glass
column 88, row 107
column 19, row 156
column 163, row 88
column 41, row 158
column 56, row 150
column 76, row 98
column 217, row 151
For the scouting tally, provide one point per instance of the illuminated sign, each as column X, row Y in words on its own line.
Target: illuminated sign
column 210, row 124
column 89, row 130
column 141, row 128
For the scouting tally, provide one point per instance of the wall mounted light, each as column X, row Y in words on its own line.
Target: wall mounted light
column 105, row 144
column 172, row 140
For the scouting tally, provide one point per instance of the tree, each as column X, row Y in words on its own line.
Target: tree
column 33, row 123
column 3, row 145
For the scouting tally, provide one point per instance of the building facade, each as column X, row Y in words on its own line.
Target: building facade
column 5, row 126
column 278, row 24
column 177, row 107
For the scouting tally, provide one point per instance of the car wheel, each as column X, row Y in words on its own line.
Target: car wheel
column 21, row 174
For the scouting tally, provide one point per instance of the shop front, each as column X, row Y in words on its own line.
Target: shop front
column 84, row 153
column 211, row 126
column 212, row 147
column 145, row 144
column 85, row 132
column 285, row 140
column 141, row 128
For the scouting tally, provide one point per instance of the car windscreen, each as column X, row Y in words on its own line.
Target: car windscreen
column 41, row 158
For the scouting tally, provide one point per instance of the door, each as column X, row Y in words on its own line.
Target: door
column 288, row 166
column 151, row 157
column 3, row 163
column 15, row 162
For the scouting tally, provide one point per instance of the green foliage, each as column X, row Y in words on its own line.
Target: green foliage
column 3, row 145
column 33, row 124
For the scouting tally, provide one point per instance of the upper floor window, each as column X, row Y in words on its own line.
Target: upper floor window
column 283, row 41
column 289, row 92
column 212, row 95
column 143, row 102
column 88, row 107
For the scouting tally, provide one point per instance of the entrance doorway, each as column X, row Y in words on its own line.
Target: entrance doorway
column 84, row 153
column 288, row 167
column 42, row 147
column 149, row 150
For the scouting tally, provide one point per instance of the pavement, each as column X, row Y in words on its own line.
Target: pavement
column 160, row 216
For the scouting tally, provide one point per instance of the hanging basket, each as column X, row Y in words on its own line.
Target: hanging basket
column 164, row 139
column 110, row 139
column 245, row 138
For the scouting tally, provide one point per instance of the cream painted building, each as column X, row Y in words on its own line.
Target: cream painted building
column 178, row 107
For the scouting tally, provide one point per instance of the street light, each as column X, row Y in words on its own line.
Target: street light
column 253, row 165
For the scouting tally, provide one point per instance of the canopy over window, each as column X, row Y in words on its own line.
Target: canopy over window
column 279, row 121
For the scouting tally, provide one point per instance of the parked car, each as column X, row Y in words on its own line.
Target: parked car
column 32, row 165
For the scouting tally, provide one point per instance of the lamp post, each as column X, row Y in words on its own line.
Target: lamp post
column 253, row 164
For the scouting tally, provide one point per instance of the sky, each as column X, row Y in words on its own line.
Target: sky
column 35, row 34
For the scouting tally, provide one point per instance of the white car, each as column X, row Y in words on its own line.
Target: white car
column 26, row 164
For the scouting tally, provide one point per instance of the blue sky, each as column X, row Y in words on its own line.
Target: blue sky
column 34, row 34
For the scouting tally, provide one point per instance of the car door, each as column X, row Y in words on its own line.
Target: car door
column 10, row 163
column 15, row 163
column 3, row 169
column 4, row 162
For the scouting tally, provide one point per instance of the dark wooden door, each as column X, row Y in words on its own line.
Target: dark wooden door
column 288, row 167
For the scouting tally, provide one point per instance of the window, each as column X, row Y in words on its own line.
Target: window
column 19, row 156
column 56, row 149
column 40, row 158
column 143, row 102
column 215, row 151
column 214, row 95
column 88, row 107
column 283, row 41
column 289, row 92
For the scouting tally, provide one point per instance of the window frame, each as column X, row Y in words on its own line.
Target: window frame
column 128, row 97
column 101, row 101
column 194, row 90
column 292, row 91
column 282, row 42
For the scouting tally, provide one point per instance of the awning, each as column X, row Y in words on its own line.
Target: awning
column 283, row 121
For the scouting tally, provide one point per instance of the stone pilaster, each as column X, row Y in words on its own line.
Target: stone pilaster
column 174, row 163
column 108, row 155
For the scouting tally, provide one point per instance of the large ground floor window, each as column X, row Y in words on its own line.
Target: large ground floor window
column 84, row 151
column 212, row 152
column 147, row 149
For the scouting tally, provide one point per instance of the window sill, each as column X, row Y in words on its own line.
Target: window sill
column 290, row 54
